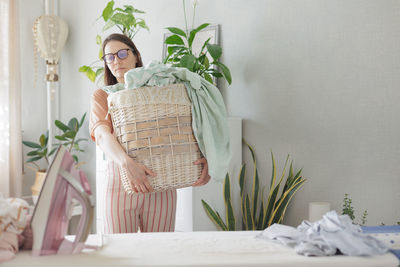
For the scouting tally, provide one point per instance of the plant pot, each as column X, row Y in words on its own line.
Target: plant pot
column 37, row 186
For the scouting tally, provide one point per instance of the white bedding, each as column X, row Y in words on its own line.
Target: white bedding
column 193, row 249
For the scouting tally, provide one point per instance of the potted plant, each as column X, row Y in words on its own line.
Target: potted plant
column 181, row 54
column 69, row 136
column 122, row 18
column 258, row 210
column 40, row 151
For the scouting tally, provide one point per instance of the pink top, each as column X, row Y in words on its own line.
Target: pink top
column 98, row 112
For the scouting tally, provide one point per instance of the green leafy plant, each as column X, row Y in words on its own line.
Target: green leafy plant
column 125, row 21
column 40, row 151
column 257, row 211
column 181, row 54
column 364, row 217
column 69, row 136
column 348, row 209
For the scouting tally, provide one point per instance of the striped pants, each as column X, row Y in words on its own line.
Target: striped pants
column 124, row 213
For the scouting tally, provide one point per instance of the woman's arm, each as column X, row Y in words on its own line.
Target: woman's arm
column 136, row 171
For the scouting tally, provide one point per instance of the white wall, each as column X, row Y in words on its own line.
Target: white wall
column 34, row 116
column 316, row 79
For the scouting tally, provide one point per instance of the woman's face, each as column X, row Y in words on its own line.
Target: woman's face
column 119, row 66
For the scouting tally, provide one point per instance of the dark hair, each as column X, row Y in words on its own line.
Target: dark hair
column 109, row 78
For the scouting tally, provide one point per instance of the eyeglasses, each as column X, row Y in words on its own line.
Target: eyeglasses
column 121, row 54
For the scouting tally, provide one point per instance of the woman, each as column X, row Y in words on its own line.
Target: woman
column 122, row 213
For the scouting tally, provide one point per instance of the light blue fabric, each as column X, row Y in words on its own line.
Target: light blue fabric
column 324, row 237
column 209, row 116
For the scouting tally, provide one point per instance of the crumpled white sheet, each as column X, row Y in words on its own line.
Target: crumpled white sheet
column 324, row 237
column 13, row 215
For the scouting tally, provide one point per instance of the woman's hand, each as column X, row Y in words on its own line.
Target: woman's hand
column 204, row 177
column 137, row 174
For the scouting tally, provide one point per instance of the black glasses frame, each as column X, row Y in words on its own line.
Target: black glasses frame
column 116, row 54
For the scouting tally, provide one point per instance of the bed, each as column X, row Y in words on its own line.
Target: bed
column 192, row 249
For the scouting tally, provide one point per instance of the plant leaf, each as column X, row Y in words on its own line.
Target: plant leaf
column 134, row 10
column 256, row 183
column 61, row 126
column 204, row 45
column 61, row 138
column 32, row 153
column 223, row 223
column 230, row 217
column 75, row 158
column 108, row 10
column 173, row 48
column 215, row 73
column 213, row 216
column 98, row 40
column 122, row 19
column 193, row 33
column 249, row 217
column 270, row 205
column 31, row 144
column 82, row 120
column 91, row 74
column 261, row 216
column 34, row 159
column 108, row 25
column 225, row 71
column 215, row 51
column 208, row 77
column 187, row 61
column 81, row 139
column 143, row 24
column 83, row 68
column 280, row 209
column 242, row 175
column 70, row 134
column 99, row 71
column 73, row 124
column 177, row 31
column 100, row 56
column 52, row 151
column 174, row 39
column 42, row 140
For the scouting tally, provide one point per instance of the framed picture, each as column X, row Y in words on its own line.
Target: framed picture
column 211, row 31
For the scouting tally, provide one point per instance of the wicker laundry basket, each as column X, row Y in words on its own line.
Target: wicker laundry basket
column 154, row 126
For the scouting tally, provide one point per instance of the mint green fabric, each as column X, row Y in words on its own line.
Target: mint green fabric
column 209, row 116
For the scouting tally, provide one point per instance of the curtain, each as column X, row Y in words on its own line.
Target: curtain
column 10, row 102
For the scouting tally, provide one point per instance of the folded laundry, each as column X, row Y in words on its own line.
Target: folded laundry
column 13, row 219
column 331, row 235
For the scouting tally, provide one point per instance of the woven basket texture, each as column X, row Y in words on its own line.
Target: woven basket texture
column 154, row 126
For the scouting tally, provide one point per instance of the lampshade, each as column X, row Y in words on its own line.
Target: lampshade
column 50, row 33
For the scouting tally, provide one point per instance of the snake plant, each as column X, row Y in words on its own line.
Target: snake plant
column 258, row 212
